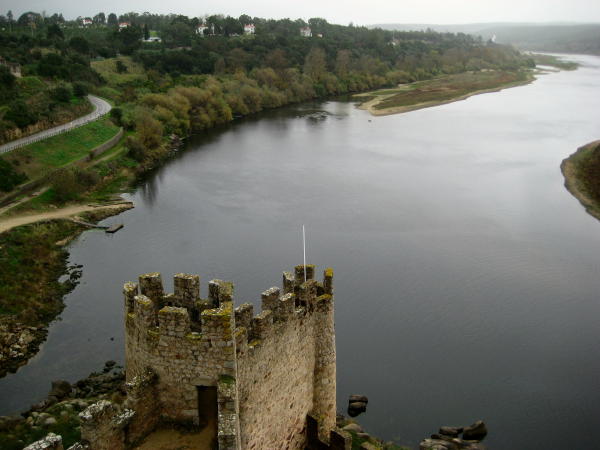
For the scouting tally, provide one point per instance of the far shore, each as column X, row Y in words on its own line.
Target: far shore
column 571, row 170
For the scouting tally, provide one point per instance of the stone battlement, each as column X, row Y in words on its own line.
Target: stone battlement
column 280, row 360
column 184, row 314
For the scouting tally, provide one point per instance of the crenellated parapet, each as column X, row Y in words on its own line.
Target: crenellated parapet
column 281, row 359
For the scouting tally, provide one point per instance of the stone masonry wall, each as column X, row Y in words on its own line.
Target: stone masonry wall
column 286, row 363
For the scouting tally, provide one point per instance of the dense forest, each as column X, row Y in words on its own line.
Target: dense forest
column 172, row 74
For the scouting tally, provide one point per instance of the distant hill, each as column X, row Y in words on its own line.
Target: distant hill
column 551, row 37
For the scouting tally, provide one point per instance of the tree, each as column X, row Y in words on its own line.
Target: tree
column 9, row 16
column 9, row 177
column 61, row 93
column 54, row 32
column 146, row 32
column 232, row 26
column 80, row 89
column 149, row 130
column 112, row 19
column 120, row 67
column 100, row 18
column 315, row 63
column 79, row 44
column 277, row 59
column 342, row 62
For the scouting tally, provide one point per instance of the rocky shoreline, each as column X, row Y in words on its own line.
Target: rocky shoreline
column 59, row 412
column 21, row 339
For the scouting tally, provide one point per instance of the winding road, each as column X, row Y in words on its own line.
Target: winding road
column 101, row 107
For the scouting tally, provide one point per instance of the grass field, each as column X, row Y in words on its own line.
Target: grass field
column 108, row 69
column 447, row 88
column 35, row 160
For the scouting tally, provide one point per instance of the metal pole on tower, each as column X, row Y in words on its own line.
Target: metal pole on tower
column 304, row 250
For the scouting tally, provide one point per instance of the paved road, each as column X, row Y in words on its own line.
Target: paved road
column 101, row 108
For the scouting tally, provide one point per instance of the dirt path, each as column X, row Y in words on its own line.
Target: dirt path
column 8, row 223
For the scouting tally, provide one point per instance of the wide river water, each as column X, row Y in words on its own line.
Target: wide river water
column 467, row 278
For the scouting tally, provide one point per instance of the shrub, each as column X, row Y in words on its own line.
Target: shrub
column 61, row 93
column 9, row 177
column 80, row 89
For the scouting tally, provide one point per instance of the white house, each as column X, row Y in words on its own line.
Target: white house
column 306, row 32
column 249, row 28
column 124, row 25
column 86, row 22
column 200, row 29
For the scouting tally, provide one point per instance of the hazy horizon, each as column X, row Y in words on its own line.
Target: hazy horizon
column 451, row 12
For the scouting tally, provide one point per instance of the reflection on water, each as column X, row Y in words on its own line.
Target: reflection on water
column 466, row 276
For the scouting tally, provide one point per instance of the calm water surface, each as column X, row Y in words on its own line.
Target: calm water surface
column 466, row 276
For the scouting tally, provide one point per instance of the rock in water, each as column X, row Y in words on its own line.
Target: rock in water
column 357, row 404
column 60, row 389
column 358, row 398
column 476, row 432
column 356, row 408
column 451, row 431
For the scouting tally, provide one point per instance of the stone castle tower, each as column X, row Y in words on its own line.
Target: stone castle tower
column 252, row 380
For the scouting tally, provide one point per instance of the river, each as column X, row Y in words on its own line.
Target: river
column 466, row 276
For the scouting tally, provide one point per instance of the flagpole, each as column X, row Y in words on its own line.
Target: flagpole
column 304, row 250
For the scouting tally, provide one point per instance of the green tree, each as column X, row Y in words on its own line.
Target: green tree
column 54, row 32
column 112, row 19
column 146, row 32
column 100, row 18
column 80, row 89
column 315, row 63
column 9, row 177
column 79, row 44
column 120, row 66
column 61, row 93
column 343, row 62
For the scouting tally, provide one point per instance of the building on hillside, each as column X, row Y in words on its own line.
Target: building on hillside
column 306, row 32
column 200, row 29
column 87, row 22
column 153, row 39
column 249, row 28
column 123, row 25
column 15, row 68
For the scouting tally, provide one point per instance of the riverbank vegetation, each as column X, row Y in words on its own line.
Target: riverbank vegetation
column 582, row 176
column 554, row 61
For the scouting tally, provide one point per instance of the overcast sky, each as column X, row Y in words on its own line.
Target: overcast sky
column 360, row 12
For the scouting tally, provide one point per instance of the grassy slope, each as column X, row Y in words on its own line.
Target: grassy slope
column 35, row 160
column 107, row 68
